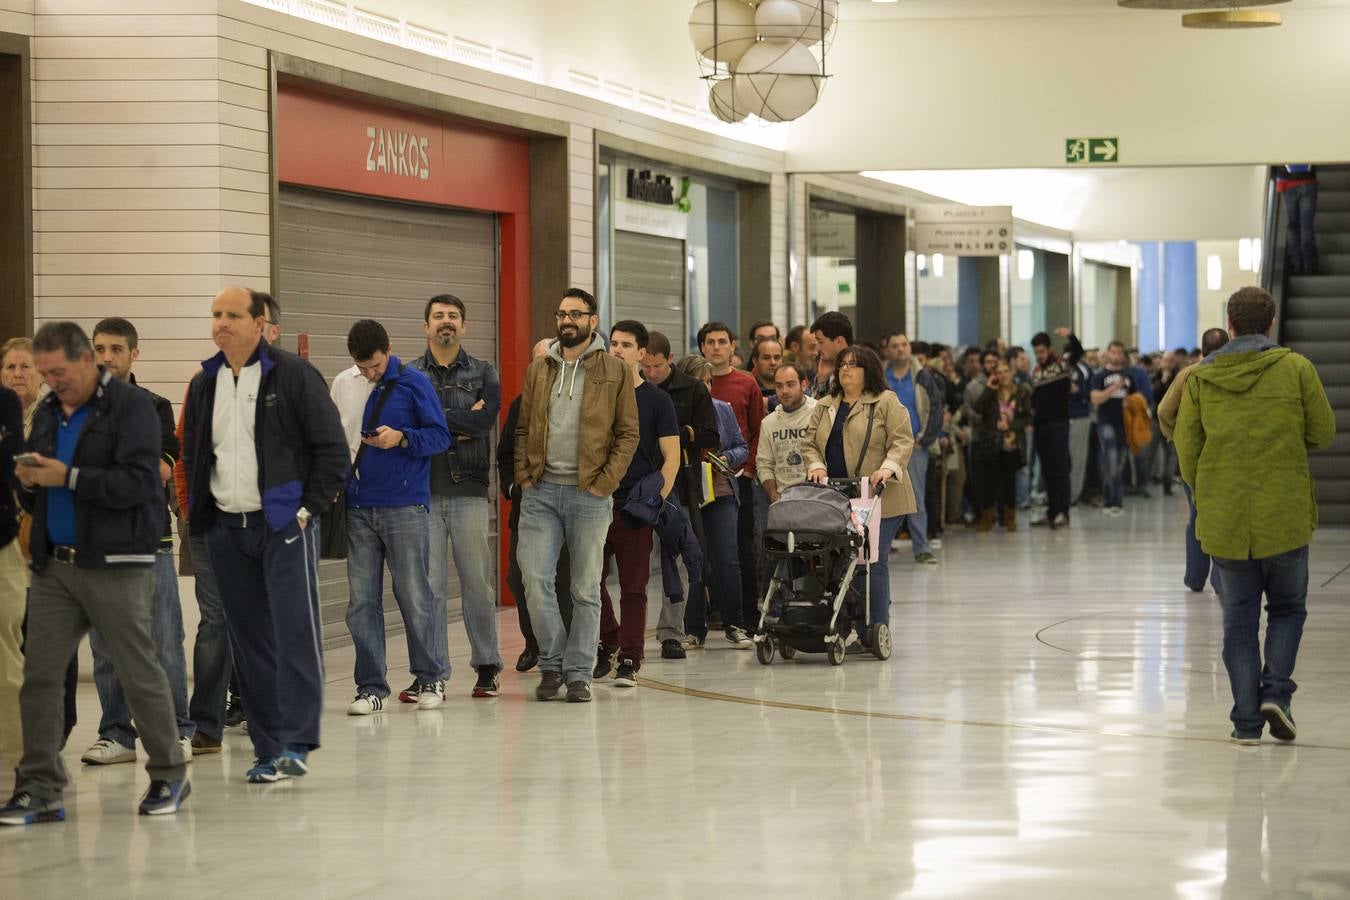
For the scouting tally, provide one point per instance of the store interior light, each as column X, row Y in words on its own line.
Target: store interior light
column 1214, row 272
column 1026, row 265
column 938, row 264
column 1256, row 254
column 1245, row 255
column 923, row 264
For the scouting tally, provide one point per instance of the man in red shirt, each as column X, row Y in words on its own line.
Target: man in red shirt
column 717, row 342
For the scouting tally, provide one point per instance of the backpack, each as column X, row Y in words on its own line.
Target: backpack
column 1138, row 428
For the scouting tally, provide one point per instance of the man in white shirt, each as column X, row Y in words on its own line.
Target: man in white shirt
column 349, row 392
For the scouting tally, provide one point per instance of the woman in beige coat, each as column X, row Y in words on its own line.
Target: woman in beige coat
column 861, row 430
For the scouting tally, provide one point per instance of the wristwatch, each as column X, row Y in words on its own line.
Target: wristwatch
column 303, row 516
column 403, row 442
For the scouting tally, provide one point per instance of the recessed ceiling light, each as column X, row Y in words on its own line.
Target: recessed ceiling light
column 1232, row 18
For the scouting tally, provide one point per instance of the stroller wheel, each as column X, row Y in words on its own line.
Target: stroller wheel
column 787, row 651
column 836, row 653
column 879, row 639
column 764, row 651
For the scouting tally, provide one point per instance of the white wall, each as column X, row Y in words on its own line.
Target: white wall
column 1007, row 92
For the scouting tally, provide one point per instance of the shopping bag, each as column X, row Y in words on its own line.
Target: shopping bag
column 867, row 510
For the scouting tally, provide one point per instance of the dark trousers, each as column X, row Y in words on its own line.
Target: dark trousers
column 751, row 519
column 269, row 587
column 64, row 603
column 996, row 480
column 723, row 576
column 1300, row 210
column 69, row 709
column 212, row 669
column 631, row 550
column 1283, row 580
column 1197, row 560
column 1052, row 447
column 516, row 582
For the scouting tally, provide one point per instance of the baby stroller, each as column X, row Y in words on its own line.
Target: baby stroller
column 817, row 540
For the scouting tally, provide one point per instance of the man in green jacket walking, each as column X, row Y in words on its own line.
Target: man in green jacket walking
column 1249, row 415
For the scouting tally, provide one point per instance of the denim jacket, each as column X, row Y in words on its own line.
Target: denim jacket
column 460, row 385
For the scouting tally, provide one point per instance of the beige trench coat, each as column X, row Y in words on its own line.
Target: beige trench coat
column 889, row 447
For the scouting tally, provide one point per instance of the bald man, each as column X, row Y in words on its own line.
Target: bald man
column 248, row 403
column 506, row 476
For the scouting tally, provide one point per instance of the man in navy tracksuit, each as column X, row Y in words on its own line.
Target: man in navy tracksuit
column 388, row 520
column 265, row 456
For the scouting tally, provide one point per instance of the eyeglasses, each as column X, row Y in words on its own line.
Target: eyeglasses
column 848, row 365
column 576, row 315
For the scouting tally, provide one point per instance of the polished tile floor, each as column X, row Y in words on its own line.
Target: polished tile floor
column 1053, row 724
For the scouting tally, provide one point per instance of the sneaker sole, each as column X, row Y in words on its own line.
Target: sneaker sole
column 571, row 698
column 92, row 761
column 485, row 692
column 1280, row 727
column 625, row 683
column 204, row 751
column 434, row 704
column 1245, row 742
column 405, row 697
column 36, row 818
column 267, row 779
column 170, row 809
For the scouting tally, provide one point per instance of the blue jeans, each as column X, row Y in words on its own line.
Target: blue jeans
column 918, row 520
column 1300, row 209
column 722, row 571
column 1284, row 581
column 464, row 521
column 211, row 663
column 880, row 574
column 1197, row 560
column 1111, row 461
column 166, row 628
column 1027, row 476
column 551, row 516
column 396, row 535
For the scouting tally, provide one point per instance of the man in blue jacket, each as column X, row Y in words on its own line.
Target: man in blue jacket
column 93, row 486
column 264, row 455
column 388, row 498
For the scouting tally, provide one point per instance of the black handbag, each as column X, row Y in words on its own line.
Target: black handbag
column 333, row 524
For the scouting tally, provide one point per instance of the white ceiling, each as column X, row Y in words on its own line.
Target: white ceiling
column 984, row 9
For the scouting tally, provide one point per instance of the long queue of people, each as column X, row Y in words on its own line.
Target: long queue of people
column 613, row 446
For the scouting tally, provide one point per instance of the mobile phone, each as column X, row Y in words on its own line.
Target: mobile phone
column 370, row 434
column 27, row 459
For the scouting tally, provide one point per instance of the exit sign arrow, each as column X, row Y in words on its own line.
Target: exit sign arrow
column 1104, row 150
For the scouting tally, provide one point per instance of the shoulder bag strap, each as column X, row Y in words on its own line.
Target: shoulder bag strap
column 867, row 439
column 385, row 391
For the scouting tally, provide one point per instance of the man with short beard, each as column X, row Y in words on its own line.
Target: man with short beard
column 577, row 433
column 471, row 396
column 764, row 362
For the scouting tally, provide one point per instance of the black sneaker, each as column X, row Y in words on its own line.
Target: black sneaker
column 1280, row 719
column 410, row 693
column 488, row 684
column 604, row 663
column 578, row 692
column 165, row 797
column 25, row 809
column 671, row 649
column 234, row 712
column 549, row 686
column 626, row 676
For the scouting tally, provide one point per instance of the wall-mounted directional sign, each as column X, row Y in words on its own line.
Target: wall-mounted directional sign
column 1091, row 150
column 963, row 230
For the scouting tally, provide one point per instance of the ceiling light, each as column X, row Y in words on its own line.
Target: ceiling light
column 938, row 265
column 1245, row 255
column 1231, row 18
column 1213, row 272
column 1026, row 265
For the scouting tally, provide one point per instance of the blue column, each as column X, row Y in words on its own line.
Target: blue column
column 1181, row 296
column 1151, row 276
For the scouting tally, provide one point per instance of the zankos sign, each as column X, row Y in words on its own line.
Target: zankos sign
column 398, row 153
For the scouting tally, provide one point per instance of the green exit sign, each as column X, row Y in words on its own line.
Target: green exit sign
column 1092, row 150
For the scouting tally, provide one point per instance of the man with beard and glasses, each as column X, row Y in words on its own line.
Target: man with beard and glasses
column 471, row 396
column 577, row 433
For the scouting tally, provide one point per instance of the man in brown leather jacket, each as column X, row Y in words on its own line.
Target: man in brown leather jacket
column 577, row 432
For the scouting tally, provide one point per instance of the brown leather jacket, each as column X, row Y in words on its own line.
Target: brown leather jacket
column 608, row 427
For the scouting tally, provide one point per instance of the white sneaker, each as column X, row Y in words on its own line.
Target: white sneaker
column 365, row 704
column 432, row 695
column 738, row 638
column 185, row 744
column 107, row 753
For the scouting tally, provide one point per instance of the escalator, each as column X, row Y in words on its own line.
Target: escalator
column 1314, row 320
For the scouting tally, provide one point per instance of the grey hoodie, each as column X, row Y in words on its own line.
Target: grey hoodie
column 564, row 413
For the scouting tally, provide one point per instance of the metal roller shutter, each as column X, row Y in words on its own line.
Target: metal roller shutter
column 649, row 284
column 341, row 258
